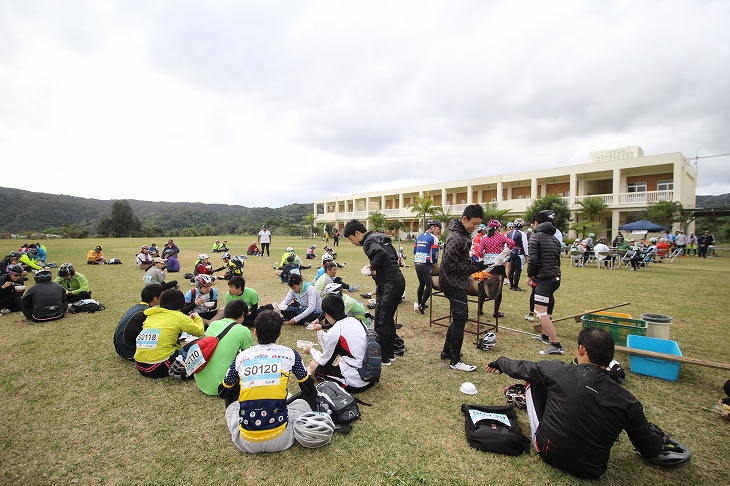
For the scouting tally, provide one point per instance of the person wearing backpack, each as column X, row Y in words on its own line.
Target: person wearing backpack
column 255, row 391
column 346, row 340
column 158, row 343
column 236, row 340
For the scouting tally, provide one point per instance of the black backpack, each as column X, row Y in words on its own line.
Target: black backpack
column 85, row 305
column 333, row 400
column 372, row 362
column 494, row 429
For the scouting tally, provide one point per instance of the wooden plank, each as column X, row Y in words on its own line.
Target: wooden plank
column 671, row 357
column 576, row 317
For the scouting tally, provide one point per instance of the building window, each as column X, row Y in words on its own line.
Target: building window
column 636, row 187
column 665, row 185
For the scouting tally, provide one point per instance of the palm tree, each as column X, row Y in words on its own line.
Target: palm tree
column 422, row 207
column 309, row 221
column 377, row 219
column 593, row 208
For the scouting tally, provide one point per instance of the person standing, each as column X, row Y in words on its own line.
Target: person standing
column 491, row 244
column 543, row 272
column 425, row 255
column 336, row 237
column 517, row 255
column 264, row 239
column 389, row 281
column 456, row 266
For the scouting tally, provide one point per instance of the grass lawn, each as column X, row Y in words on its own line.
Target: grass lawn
column 74, row 412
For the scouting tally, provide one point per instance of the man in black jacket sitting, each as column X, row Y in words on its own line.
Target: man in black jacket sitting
column 576, row 411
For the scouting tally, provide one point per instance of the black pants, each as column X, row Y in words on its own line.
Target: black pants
column 423, row 272
column 459, row 314
column 77, row 297
column 265, row 246
column 388, row 296
column 11, row 301
column 515, row 271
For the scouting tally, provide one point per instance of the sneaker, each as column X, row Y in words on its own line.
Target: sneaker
column 543, row 338
column 498, row 314
column 400, row 351
column 4, row 311
column 461, row 366
column 421, row 309
column 553, row 350
column 385, row 362
column 415, row 306
column 530, row 317
column 519, row 289
column 365, row 296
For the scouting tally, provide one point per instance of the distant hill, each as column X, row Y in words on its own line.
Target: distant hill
column 25, row 212
column 722, row 201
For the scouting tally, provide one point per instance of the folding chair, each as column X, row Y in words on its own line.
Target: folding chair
column 674, row 255
column 661, row 254
column 646, row 260
column 576, row 258
column 604, row 257
column 626, row 260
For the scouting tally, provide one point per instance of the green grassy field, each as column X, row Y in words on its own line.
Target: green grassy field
column 74, row 412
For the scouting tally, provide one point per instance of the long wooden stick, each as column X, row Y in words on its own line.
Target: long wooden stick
column 672, row 357
column 538, row 327
column 578, row 316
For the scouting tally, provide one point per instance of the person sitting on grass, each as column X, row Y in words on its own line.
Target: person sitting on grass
column 353, row 308
column 232, row 266
column 257, row 414
column 13, row 258
column 237, row 289
column 577, row 412
column 10, row 295
column 130, row 325
column 171, row 261
column 203, row 265
column 219, row 247
column 302, row 303
column 236, row 340
column 201, row 299
column 346, row 339
column 290, row 268
column 253, row 250
column 74, row 283
column 310, row 252
column 144, row 260
column 157, row 273
column 45, row 301
column 153, row 250
column 158, row 343
column 330, row 276
column 28, row 260
column 95, row 256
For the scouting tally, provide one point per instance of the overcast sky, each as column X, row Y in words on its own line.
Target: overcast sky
column 270, row 103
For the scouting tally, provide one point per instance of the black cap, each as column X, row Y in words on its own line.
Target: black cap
column 544, row 216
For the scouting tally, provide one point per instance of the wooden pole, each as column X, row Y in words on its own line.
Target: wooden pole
column 576, row 317
column 672, row 357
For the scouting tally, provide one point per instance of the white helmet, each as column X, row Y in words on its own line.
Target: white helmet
column 289, row 249
column 226, row 256
column 203, row 256
column 332, row 288
column 203, row 280
column 487, row 342
column 313, row 429
column 326, row 258
column 510, row 224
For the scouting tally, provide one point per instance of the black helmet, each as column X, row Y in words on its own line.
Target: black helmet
column 673, row 454
column 43, row 276
column 15, row 254
column 433, row 222
column 66, row 270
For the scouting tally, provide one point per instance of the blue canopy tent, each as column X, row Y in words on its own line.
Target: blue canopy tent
column 644, row 226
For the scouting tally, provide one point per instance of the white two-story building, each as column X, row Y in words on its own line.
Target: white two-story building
column 625, row 179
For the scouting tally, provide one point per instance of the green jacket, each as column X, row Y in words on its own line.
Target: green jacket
column 75, row 284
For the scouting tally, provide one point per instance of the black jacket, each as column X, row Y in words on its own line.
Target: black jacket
column 383, row 258
column 584, row 414
column 456, row 264
column 544, row 249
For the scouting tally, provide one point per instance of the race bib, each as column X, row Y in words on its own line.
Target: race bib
column 194, row 359
column 489, row 257
column 420, row 257
column 260, row 372
column 148, row 339
column 478, row 415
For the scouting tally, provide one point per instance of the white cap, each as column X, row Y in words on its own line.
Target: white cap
column 468, row 388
